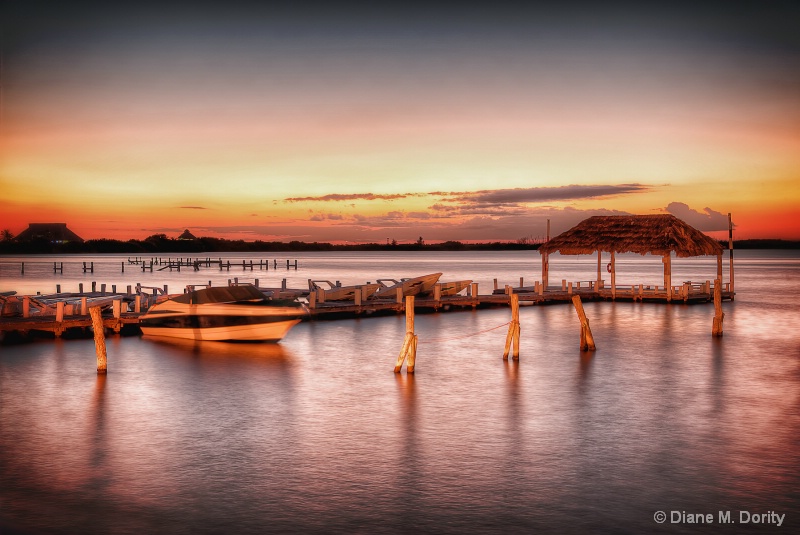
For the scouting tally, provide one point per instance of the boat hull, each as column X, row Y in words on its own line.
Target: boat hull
column 254, row 332
column 454, row 287
column 415, row 286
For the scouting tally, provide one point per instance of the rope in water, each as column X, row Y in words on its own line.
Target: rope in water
column 463, row 336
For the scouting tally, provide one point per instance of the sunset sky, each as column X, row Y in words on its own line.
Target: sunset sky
column 319, row 123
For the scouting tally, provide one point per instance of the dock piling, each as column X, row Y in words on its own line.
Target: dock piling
column 99, row 339
column 408, row 352
column 587, row 340
column 716, row 329
column 513, row 329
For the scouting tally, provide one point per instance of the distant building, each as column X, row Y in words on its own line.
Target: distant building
column 52, row 232
column 187, row 235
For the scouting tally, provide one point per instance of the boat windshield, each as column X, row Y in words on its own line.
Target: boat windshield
column 221, row 294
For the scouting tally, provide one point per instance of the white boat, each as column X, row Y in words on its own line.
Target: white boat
column 415, row 286
column 454, row 287
column 226, row 313
column 342, row 293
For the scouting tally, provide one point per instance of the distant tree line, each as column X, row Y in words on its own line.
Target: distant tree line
column 161, row 243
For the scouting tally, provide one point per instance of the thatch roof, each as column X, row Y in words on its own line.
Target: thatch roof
column 52, row 232
column 643, row 234
column 187, row 235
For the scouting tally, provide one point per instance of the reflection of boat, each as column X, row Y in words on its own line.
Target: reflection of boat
column 453, row 287
column 414, row 286
column 342, row 293
column 227, row 313
column 212, row 351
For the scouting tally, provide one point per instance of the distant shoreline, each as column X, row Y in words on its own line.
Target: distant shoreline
column 163, row 244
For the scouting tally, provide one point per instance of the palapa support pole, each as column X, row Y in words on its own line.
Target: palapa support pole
column 716, row 329
column 408, row 352
column 99, row 339
column 730, row 255
column 513, row 330
column 587, row 340
column 599, row 272
column 613, row 277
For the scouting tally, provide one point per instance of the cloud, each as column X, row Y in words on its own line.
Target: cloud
column 546, row 194
column 709, row 220
column 193, row 207
column 337, row 197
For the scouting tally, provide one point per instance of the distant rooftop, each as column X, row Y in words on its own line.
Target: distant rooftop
column 52, row 232
column 187, row 235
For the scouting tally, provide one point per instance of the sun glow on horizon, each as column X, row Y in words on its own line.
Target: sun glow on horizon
column 336, row 131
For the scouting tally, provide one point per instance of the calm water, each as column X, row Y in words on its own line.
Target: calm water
column 317, row 434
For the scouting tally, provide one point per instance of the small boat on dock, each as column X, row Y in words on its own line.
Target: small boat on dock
column 342, row 293
column 453, row 287
column 414, row 286
column 228, row 313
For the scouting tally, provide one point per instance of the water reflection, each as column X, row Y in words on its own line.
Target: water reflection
column 265, row 354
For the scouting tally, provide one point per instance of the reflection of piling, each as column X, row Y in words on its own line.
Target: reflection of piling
column 716, row 329
column 409, row 350
column 513, row 329
column 99, row 338
column 587, row 340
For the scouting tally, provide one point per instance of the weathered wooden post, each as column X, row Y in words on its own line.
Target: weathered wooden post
column 99, row 339
column 513, row 329
column 587, row 340
column 408, row 352
column 716, row 329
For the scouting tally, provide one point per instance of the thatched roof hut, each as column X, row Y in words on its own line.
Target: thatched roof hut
column 642, row 234
column 187, row 235
column 662, row 235
column 52, row 232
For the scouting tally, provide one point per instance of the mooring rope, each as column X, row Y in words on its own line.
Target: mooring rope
column 463, row 336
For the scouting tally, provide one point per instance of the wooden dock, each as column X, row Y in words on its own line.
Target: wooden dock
column 62, row 313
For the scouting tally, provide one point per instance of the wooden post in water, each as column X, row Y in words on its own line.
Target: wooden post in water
column 730, row 255
column 587, row 340
column 408, row 352
column 99, row 339
column 513, row 329
column 716, row 329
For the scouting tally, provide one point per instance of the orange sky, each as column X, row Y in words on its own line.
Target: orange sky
column 246, row 122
